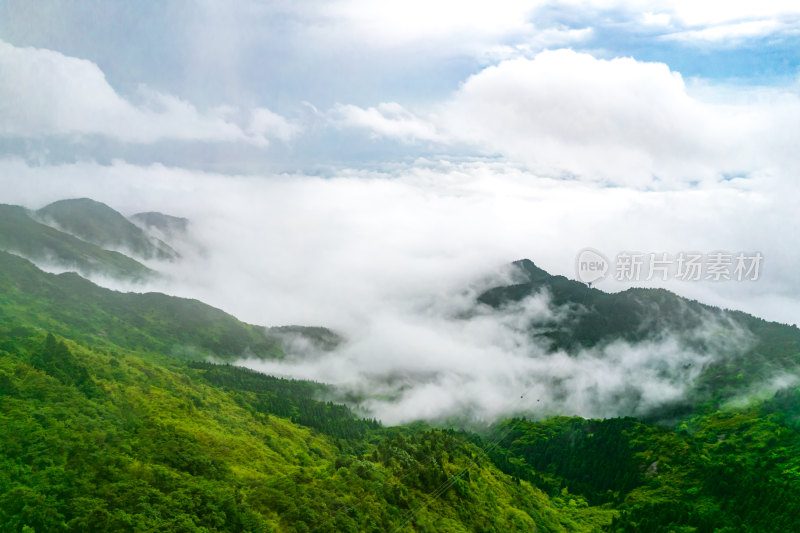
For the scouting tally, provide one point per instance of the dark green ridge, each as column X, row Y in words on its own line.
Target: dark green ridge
column 21, row 234
column 99, row 224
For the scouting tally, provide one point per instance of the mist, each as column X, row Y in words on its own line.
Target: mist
column 454, row 359
column 392, row 261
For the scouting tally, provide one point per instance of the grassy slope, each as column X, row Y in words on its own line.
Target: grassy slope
column 99, row 224
column 71, row 306
column 22, row 234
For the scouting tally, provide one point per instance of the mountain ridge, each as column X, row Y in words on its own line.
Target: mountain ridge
column 116, row 431
column 99, row 224
column 21, row 233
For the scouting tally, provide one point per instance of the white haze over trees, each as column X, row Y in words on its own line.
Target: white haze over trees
column 394, row 263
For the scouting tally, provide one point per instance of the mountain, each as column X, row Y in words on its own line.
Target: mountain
column 69, row 305
column 167, row 225
column 107, row 428
column 305, row 339
column 21, row 234
column 99, row 224
column 113, row 421
column 755, row 350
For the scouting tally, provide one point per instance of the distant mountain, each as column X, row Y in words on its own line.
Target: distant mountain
column 112, row 421
column 21, row 234
column 590, row 317
column 72, row 306
column 598, row 316
column 305, row 340
column 165, row 224
column 99, row 224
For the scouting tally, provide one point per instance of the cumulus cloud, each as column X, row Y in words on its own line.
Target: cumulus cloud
column 704, row 13
column 265, row 123
column 618, row 121
column 690, row 13
column 46, row 93
column 478, row 27
column 729, row 34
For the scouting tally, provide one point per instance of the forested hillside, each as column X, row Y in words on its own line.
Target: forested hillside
column 754, row 350
column 108, row 426
column 20, row 233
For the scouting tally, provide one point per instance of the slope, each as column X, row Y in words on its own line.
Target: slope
column 100, row 436
column 755, row 350
column 72, row 306
column 166, row 225
column 104, row 438
column 22, row 234
column 99, row 224
column 731, row 470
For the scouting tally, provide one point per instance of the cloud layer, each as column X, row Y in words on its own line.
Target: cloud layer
column 46, row 93
column 452, row 359
column 617, row 121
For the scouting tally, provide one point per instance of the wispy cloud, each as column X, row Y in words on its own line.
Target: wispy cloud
column 731, row 34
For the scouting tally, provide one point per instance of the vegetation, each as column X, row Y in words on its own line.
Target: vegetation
column 755, row 350
column 165, row 225
column 20, row 233
column 126, row 441
column 98, row 224
column 112, row 418
column 733, row 470
column 73, row 307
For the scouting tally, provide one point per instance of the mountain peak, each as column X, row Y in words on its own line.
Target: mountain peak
column 166, row 224
column 99, row 224
column 531, row 271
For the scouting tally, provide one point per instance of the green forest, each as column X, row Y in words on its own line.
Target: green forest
column 113, row 418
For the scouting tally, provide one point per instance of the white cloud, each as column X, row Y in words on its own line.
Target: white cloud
column 397, row 22
column 479, row 25
column 265, row 123
column 650, row 18
column 618, row 121
column 393, row 259
column 44, row 93
column 539, row 40
column 729, row 34
column 431, row 364
column 388, row 120
column 694, row 13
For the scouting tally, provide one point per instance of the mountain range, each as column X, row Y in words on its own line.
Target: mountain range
column 120, row 412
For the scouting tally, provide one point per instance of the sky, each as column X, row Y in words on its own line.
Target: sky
column 353, row 163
